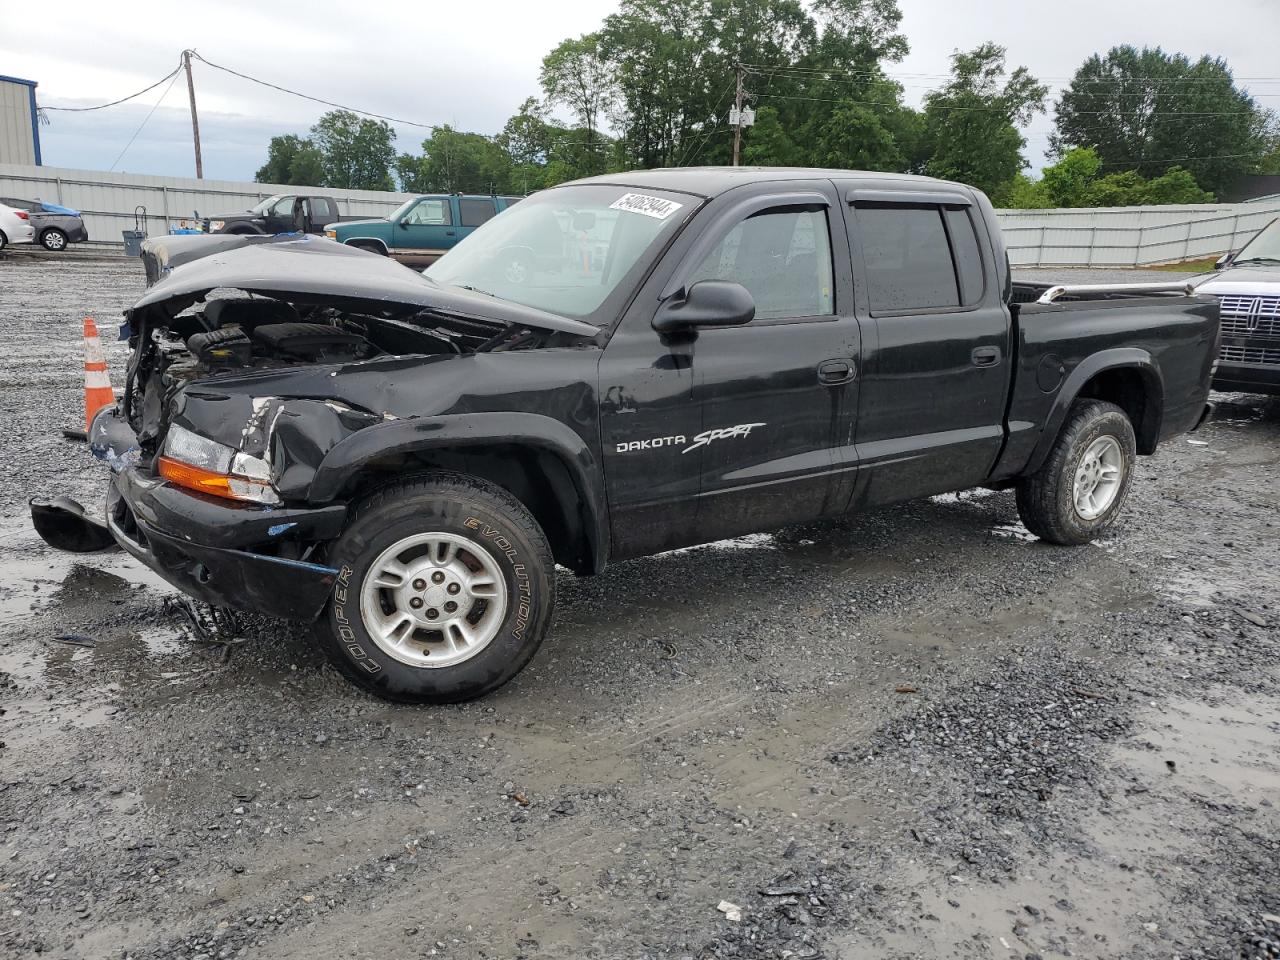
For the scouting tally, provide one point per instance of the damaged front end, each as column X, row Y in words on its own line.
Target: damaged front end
column 250, row 361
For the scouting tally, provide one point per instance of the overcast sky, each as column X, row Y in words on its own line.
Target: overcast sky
column 407, row 60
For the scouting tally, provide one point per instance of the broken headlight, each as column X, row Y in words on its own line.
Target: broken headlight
column 206, row 466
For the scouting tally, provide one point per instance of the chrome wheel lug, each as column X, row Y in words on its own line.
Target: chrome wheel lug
column 437, row 577
column 432, row 613
column 450, row 607
column 419, row 584
column 454, row 588
column 415, row 602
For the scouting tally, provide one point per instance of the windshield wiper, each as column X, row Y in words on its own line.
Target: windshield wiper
column 1256, row 260
column 467, row 286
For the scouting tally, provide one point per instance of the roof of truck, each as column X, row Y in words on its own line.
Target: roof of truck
column 712, row 181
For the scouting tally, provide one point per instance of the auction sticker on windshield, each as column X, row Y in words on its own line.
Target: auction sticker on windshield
column 644, row 204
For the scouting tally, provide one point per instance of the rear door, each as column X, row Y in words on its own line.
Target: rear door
column 427, row 228
column 473, row 212
column 935, row 336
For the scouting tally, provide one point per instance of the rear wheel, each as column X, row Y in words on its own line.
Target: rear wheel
column 446, row 588
column 53, row 239
column 4, row 241
column 1079, row 490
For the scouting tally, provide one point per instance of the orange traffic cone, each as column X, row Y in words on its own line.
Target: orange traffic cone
column 97, row 384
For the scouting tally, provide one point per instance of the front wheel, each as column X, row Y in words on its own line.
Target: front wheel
column 445, row 590
column 4, row 241
column 1079, row 490
column 53, row 239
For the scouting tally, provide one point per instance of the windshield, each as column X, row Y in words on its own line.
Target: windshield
column 262, row 206
column 401, row 210
column 567, row 250
column 1264, row 247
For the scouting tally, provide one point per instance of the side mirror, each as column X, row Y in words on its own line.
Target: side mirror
column 402, row 225
column 1224, row 261
column 708, row 303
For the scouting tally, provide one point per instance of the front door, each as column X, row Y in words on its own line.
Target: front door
column 936, row 348
column 779, row 395
column 426, row 229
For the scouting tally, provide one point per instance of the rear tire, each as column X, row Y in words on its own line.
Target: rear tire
column 446, row 587
column 53, row 239
column 4, row 241
column 1080, row 489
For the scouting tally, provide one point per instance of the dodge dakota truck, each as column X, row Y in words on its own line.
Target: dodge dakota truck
column 312, row 431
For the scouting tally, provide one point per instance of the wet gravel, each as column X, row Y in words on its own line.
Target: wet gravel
column 914, row 733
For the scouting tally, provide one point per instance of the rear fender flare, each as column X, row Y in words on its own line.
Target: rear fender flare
column 585, row 503
column 1117, row 358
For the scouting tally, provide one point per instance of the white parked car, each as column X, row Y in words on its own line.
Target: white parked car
column 15, row 226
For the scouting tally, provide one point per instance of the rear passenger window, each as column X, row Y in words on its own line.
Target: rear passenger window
column 907, row 258
column 964, row 244
column 783, row 257
column 476, row 212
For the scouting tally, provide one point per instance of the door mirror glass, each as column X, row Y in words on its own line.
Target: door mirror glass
column 708, row 303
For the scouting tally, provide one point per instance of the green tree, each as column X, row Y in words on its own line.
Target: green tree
column 292, row 160
column 1022, row 193
column 454, row 161
column 355, row 153
column 971, row 124
column 1070, row 181
column 1148, row 110
column 769, row 145
column 576, row 75
column 854, row 137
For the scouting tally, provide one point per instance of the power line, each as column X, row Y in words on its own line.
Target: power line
column 132, row 96
column 304, row 96
column 889, row 74
column 172, row 81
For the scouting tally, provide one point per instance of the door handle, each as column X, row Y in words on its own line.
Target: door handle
column 833, row 372
column 985, row 356
column 449, row 233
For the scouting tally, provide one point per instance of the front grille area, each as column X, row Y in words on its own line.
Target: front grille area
column 1244, row 316
column 1232, row 354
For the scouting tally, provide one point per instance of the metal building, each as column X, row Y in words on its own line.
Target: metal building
column 19, row 129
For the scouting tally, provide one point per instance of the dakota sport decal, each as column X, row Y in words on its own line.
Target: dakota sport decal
column 679, row 440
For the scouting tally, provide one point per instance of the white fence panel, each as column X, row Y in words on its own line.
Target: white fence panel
column 108, row 200
column 1130, row 236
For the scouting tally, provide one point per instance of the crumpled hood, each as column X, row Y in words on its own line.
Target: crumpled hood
column 320, row 271
column 1237, row 281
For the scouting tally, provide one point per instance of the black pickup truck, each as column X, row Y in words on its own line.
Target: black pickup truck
column 284, row 213
column 404, row 458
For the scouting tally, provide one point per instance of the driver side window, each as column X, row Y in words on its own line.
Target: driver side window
column 783, row 257
column 284, row 208
column 429, row 213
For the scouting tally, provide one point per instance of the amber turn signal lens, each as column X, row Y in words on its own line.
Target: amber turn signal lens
column 206, row 481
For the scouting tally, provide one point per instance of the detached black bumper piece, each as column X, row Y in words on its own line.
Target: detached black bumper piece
column 216, row 552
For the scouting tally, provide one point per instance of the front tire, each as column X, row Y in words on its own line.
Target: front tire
column 445, row 590
column 1080, row 489
column 53, row 239
column 4, row 241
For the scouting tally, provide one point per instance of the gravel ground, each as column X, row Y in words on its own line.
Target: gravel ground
column 915, row 733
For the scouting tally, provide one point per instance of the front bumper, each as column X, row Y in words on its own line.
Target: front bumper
column 1248, row 377
column 221, row 553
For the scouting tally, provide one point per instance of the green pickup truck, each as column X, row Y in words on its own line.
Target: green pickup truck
column 421, row 229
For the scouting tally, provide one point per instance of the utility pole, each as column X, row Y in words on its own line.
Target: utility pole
column 737, row 109
column 195, row 121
